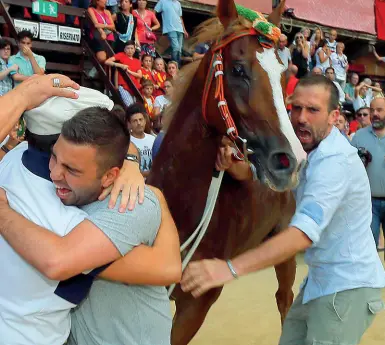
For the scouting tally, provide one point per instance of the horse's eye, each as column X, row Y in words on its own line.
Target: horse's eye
column 239, row 70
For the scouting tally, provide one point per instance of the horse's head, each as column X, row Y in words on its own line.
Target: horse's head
column 252, row 90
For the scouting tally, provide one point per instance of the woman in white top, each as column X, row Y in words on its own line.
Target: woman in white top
column 340, row 64
column 323, row 56
column 163, row 101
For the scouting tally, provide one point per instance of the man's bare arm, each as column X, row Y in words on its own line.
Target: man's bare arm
column 59, row 258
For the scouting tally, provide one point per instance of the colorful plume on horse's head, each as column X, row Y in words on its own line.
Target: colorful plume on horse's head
column 260, row 23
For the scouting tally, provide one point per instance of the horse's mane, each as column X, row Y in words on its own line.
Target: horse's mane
column 208, row 31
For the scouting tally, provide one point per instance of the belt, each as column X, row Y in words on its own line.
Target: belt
column 379, row 198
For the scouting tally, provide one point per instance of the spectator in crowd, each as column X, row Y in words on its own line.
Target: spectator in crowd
column 315, row 41
column 283, row 51
column 159, row 74
column 6, row 83
column 163, row 101
column 104, row 24
column 128, row 64
column 316, row 71
column 173, row 26
column 322, row 56
column 350, row 87
column 147, row 62
column 369, row 93
column 126, row 26
column 331, row 41
column 148, row 98
column 29, row 63
column 70, row 20
column 172, row 69
column 330, row 74
column 372, row 139
column 200, row 50
column 360, row 96
column 363, row 117
column 291, row 84
column 136, row 117
column 342, row 124
column 340, row 64
column 376, row 92
column 300, row 54
column 147, row 24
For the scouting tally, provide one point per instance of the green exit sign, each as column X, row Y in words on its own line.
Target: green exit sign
column 45, row 8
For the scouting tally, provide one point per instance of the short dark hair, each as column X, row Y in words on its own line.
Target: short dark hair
column 322, row 43
column 146, row 82
column 136, row 108
column 330, row 68
column 129, row 43
column 362, row 108
column 24, row 34
column 104, row 129
column 146, row 55
column 5, row 43
column 320, row 80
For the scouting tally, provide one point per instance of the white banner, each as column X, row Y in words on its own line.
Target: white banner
column 48, row 32
column 67, row 34
column 21, row 25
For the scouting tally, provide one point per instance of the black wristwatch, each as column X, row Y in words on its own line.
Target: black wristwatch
column 132, row 158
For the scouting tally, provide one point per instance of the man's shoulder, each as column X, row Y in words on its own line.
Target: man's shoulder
column 150, row 202
column 149, row 137
column 363, row 133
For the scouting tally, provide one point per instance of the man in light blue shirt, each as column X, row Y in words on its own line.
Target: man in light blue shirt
column 29, row 63
column 342, row 292
column 173, row 26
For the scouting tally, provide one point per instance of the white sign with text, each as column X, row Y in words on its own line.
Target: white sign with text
column 48, row 32
column 21, row 25
column 71, row 35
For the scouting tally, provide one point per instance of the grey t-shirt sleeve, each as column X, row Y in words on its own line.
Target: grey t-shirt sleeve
column 131, row 228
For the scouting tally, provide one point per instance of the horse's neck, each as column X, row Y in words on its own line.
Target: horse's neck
column 185, row 162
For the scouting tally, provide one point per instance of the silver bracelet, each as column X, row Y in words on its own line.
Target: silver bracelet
column 232, row 270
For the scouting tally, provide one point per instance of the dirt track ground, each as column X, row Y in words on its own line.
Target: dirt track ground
column 246, row 314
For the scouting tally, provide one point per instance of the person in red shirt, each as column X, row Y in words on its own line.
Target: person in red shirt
column 291, row 84
column 160, row 76
column 147, row 62
column 128, row 64
column 149, row 100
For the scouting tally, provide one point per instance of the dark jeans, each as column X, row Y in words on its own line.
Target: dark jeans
column 176, row 42
column 70, row 20
column 378, row 218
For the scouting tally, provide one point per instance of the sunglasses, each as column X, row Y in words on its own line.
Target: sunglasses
column 362, row 114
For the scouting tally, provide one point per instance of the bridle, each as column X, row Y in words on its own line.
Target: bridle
column 216, row 71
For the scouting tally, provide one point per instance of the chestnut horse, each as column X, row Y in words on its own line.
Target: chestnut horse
column 246, row 213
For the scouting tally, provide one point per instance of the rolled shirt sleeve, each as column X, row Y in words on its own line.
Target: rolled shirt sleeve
column 159, row 6
column 325, row 188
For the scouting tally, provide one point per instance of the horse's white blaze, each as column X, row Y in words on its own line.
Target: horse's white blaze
column 269, row 62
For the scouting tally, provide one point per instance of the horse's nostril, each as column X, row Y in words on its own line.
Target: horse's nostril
column 280, row 161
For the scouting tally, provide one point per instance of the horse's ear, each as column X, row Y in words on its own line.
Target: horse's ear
column 275, row 16
column 226, row 12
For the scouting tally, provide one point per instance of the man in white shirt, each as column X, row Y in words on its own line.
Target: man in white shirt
column 283, row 51
column 330, row 74
column 136, row 117
column 331, row 41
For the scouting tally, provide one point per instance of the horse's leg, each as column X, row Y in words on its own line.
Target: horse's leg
column 190, row 314
column 285, row 273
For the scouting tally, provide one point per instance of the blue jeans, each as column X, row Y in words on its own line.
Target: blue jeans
column 176, row 42
column 378, row 214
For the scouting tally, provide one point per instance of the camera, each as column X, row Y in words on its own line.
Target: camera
column 365, row 155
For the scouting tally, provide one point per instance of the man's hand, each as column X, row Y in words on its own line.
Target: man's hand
column 35, row 90
column 186, row 35
column 130, row 183
column 27, row 51
column 201, row 276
